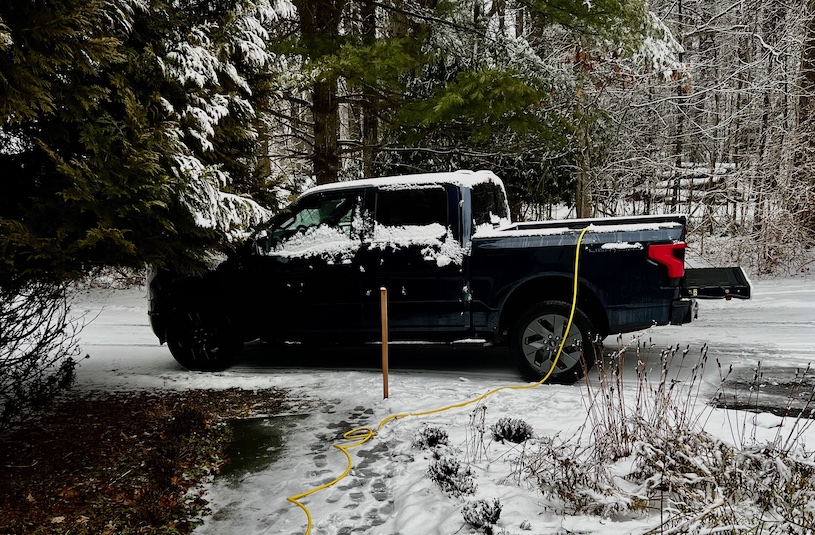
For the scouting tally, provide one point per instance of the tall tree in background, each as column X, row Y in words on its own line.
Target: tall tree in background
column 347, row 65
column 805, row 154
column 319, row 33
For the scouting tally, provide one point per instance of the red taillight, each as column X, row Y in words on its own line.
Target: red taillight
column 671, row 256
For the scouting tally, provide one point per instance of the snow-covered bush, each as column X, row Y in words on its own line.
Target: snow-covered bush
column 512, row 430
column 431, row 437
column 482, row 515
column 452, row 477
column 38, row 345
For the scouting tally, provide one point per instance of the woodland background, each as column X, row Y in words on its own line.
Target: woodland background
column 152, row 131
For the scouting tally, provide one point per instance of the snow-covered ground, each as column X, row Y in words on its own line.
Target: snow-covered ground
column 387, row 490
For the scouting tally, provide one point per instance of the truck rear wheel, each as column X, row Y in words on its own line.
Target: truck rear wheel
column 536, row 337
column 203, row 341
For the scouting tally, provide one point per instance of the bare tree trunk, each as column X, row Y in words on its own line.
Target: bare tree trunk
column 582, row 192
column 680, row 120
column 370, row 101
column 805, row 155
column 583, row 201
column 326, row 128
column 264, row 162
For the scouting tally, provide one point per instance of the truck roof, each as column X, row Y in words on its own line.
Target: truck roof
column 463, row 178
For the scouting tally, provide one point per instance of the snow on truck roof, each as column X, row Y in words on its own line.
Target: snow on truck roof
column 462, row 178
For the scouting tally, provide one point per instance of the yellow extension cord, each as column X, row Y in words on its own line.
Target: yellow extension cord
column 361, row 435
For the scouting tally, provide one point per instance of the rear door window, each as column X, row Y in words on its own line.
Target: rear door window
column 412, row 207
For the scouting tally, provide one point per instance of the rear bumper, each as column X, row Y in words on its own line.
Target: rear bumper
column 684, row 311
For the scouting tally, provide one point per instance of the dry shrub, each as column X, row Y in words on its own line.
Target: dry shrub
column 38, row 347
column 650, row 454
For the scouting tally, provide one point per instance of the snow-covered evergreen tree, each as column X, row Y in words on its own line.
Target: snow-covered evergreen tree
column 127, row 130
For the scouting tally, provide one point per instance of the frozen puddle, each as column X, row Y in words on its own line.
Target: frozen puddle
column 779, row 390
column 256, row 444
column 241, row 493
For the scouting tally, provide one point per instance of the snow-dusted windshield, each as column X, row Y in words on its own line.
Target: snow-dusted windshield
column 335, row 212
column 316, row 226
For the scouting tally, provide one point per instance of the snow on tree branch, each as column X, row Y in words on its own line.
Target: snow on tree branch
column 212, row 208
column 660, row 50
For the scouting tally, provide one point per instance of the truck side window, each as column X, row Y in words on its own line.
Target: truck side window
column 412, row 207
column 488, row 203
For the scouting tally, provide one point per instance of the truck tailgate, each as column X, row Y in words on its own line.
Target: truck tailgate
column 716, row 283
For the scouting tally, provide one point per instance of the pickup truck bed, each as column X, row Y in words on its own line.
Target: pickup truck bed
column 622, row 289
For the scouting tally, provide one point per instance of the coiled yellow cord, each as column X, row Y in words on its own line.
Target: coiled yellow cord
column 361, row 435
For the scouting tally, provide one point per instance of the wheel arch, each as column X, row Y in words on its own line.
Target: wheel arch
column 199, row 292
column 547, row 288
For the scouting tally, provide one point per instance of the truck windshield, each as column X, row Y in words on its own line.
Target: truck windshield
column 334, row 212
column 330, row 217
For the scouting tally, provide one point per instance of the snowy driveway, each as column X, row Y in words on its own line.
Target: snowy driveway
column 776, row 328
column 387, row 492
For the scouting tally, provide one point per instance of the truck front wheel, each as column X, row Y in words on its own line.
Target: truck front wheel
column 537, row 335
column 202, row 341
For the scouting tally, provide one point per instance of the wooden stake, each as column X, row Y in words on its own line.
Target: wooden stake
column 383, row 293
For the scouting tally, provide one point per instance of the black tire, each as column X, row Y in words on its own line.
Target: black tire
column 203, row 341
column 536, row 337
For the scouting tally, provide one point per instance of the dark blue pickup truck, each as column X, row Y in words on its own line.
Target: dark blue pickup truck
column 455, row 267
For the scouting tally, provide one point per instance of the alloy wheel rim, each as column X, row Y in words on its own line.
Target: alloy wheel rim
column 541, row 339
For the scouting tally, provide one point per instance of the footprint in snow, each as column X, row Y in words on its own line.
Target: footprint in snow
column 364, row 492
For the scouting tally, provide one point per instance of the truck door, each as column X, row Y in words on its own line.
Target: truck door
column 414, row 250
column 307, row 280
